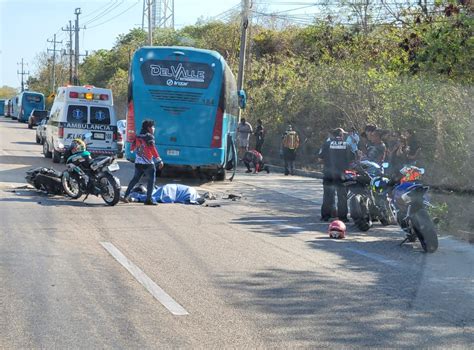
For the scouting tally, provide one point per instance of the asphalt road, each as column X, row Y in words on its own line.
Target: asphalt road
column 255, row 272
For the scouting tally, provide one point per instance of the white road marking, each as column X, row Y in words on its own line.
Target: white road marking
column 263, row 220
column 155, row 290
column 292, row 228
column 375, row 257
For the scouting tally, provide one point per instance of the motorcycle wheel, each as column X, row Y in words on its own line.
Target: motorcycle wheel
column 71, row 185
column 359, row 213
column 387, row 217
column 110, row 189
column 425, row 230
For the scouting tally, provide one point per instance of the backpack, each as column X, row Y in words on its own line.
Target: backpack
column 291, row 140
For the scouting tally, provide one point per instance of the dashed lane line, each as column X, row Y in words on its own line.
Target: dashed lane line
column 159, row 294
column 376, row 257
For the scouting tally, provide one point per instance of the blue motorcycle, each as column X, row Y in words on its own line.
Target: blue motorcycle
column 411, row 208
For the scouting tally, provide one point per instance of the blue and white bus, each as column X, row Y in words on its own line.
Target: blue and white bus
column 192, row 96
column 24, row 103
column 2, row 107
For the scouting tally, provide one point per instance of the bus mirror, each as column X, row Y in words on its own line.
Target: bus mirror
column 242, row 99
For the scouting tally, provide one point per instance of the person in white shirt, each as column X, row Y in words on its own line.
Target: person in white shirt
column 244, row 130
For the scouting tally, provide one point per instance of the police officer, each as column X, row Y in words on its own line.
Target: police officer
column 336, row 156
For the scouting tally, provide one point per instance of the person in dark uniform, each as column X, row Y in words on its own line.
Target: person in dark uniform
column 336, row 156
column 259, row 136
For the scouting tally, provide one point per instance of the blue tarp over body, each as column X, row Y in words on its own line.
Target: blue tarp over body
column 170, row 193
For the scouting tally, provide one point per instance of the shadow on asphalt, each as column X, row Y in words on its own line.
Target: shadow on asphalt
column 34, row 196
column 320, row 310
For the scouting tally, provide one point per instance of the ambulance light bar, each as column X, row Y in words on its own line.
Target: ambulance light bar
column 88, row 96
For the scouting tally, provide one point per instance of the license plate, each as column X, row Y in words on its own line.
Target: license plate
column 172, row 152
column 114, row 167
column 98, row 136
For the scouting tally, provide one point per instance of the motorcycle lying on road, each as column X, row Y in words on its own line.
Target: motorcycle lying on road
column 87, row 175
column 368, row 195
column 411, row 207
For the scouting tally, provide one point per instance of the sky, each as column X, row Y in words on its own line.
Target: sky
column 26, row 25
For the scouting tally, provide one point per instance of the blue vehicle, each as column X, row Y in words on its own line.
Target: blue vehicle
column 2, row 107
column 24, row 103
column 192, row 96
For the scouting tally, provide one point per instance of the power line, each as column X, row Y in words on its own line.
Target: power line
column 94, row 12
column 109, row 9
column 110, row 19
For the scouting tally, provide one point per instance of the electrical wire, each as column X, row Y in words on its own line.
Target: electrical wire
column 92, row 13
column 107, row 10
column 110, row 19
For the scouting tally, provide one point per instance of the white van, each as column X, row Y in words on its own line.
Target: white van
column 77, row 110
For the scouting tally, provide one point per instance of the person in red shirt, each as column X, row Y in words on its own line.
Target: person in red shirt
column 254, row 157
column 146, row 156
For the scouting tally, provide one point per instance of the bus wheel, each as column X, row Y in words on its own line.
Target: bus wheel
column 220, row 175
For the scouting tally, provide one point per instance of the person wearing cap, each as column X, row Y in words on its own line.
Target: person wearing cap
column 336, row 155
column 289, row 144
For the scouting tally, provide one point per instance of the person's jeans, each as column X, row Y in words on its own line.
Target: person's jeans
column 150, row 171
column 289, row 156
column 330, row 189
column 258, row 146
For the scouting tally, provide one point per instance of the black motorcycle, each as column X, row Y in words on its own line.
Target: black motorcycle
column 87, row 175
column 368, row 195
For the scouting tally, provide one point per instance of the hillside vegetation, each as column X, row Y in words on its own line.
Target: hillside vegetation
column 416, row 72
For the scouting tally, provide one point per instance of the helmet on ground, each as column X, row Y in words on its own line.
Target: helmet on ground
column 141, row 189
column 337, row 229
column 77, row 145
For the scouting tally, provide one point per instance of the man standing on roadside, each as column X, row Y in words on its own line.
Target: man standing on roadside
column 259, row 136
column 244, row 129
column 336, row 155
column 289, row 144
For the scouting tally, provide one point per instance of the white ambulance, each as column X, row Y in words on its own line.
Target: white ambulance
column 76, row 111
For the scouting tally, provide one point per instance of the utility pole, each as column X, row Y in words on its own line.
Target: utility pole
column 243, row 43
column 53, row 80
column 22, row 73
column 150, row 24
column 143, row 14
column 77, row 12
column 70, row 52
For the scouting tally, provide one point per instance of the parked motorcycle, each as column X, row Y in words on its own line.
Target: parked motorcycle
column 368, row 195
column 411, row 203
column 86, row 175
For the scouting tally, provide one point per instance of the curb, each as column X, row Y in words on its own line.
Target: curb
column 299, row 172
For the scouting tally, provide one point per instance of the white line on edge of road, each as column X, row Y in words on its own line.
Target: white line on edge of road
column 375, row 257
column 155, row 290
